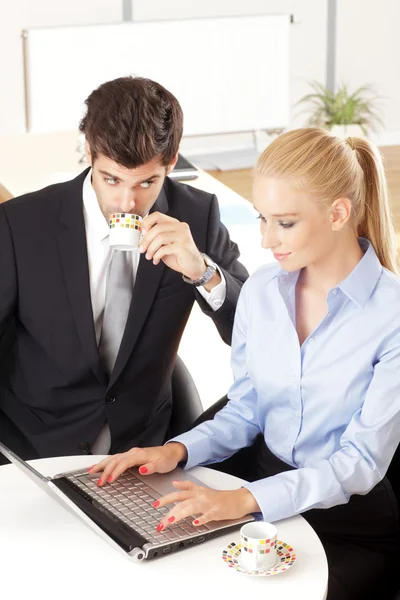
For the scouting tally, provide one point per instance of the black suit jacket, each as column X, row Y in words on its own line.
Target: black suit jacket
column 54, row 394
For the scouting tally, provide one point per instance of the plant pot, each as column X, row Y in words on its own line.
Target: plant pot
column 344, row 131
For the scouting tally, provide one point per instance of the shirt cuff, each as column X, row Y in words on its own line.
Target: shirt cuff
column 217, row 296
column 197, row 446
column 272, row 497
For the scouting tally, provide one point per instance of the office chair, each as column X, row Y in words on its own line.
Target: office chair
column 186, row 403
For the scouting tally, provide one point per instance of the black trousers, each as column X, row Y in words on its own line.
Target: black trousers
column 361, row 539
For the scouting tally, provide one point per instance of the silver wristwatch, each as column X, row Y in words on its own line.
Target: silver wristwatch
column 209, row 274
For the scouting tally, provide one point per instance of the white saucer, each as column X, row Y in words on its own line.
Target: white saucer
column 286, row 559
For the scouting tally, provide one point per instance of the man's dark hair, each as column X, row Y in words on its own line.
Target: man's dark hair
column 133, row 120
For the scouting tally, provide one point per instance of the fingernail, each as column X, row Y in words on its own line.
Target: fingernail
column 160, row 527
column 89, row 469
column 99, row 482
column 110, row 479
column 156, row 503
column 143, row 470
column 196, row 522
column 171, row 519
column 141, row 249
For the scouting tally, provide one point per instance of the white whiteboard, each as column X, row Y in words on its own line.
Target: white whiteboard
column 229, row 74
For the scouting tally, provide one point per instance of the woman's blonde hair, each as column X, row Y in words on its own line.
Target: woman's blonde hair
column 332, row 168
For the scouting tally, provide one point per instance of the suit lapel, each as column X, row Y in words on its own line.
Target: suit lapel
column 74, row 260
column 146, row 285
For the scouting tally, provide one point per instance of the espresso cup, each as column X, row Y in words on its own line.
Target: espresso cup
column 258, row 541
column 125, row 231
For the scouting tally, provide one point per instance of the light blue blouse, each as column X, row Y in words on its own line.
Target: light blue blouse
column 330, row 407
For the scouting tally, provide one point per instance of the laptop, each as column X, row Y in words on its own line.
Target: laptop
column 121, row 512
column 183, row 170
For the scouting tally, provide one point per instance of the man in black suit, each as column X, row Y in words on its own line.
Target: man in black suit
column 58, row 394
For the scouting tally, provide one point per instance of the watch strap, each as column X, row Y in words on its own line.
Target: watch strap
column 209, row 273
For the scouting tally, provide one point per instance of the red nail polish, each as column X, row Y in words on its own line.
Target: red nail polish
column 110, row 479
column 160, row 527
column 196, row 522
column 156, row 503
column 99, row 482
column 171, row 519
column 143, row 470
column 89, row 469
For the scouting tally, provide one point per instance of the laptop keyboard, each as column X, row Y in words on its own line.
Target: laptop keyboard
column 131, row 499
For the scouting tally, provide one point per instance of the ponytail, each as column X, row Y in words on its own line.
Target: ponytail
column 376, row 222
column 331, row 168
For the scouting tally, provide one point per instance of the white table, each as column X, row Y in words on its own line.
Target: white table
column 46, row 553
column 31, row 161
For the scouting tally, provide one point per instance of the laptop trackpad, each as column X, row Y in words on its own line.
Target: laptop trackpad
column 162, row 482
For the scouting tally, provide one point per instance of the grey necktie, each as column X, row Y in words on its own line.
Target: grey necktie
column 118, row 299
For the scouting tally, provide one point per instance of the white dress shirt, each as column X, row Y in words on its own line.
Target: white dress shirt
column 99, row 256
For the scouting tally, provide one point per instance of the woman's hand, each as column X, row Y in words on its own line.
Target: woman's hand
column 160, row 459
column 210, row 505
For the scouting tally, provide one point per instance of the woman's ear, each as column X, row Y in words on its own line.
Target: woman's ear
column 340, row 212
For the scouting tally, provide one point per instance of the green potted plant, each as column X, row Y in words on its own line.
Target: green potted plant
column 341, row 112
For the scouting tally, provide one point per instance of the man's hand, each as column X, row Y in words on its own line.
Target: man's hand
column 171, row 241
column 208, row 504
column 160, row 459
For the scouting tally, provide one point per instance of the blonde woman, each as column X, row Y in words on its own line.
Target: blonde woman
column 316, row 362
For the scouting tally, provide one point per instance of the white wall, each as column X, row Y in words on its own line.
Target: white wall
column 307, row 51
column 16, row 15
column 368, row 48
column 368, row 51
column 305, row 60
column 308, row 38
